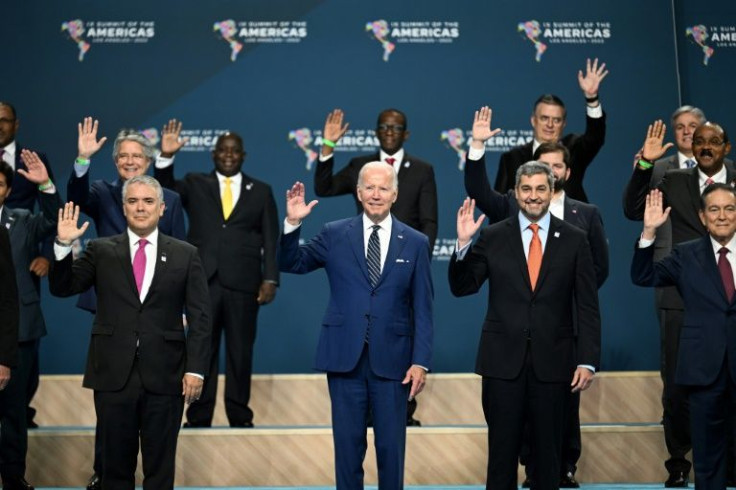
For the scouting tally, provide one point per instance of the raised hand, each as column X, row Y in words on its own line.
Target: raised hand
column 654, row 214
column 36, row 172
column 66, row 229
column 482, row 127
column 87, row 142
column 467, row 225
column 334, row 128
column 594, row 75
column 653, row 149
column 170, row 140
column 296, row 207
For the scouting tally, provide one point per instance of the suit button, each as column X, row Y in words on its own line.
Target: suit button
column 367, row 316
column 373, row 293
column 224, row 225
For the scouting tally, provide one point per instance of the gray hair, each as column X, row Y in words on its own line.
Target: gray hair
column 137, row 137
column 145, row 180
column 688, row 109
column 533, row 168
column 379, row 166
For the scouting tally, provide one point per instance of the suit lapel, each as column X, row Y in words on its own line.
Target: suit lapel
column 163, row 254
column 214, row 192
column 706, row 258
column 516, row 248
column 354, row 234
column 246, row 184
column 7, row 221
column 122, row 249
column 694, row 190
column 395, row 246
column 551, row 249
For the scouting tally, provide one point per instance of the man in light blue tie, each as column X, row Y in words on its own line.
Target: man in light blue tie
column 376, row 337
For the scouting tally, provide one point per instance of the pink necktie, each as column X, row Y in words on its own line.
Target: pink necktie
column 139, row 263
column 724, row 267
column 709, row 181
column 390, row 161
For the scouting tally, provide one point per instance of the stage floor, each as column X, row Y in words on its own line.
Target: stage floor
column 591, row 486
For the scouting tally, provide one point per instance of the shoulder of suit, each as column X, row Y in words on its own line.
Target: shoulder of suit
column 667, row 161
column 175, row 242
column 170, row 195
column 408, row 231
column 256, row 182
column 566, row 228
column 18, row 213
column 588, row 207
column 417, row 161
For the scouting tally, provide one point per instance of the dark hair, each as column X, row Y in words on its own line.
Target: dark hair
column 535, row 168
column 558, row 147
column 7, row 171
column 712, row 188
column 391, row 109
column 550, row 99
column 232, row 135
column 9, row 106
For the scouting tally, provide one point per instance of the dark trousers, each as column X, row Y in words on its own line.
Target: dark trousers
column 32, row 383
column 711, row 416
column 507, row 406
column 352, row 394
column 131, row 415
column 235, row 313
column 13, row 422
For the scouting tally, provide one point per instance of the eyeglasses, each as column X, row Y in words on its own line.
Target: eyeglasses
column 136, row 157
column 556, row 121
column 396, row 128
column 711, row 142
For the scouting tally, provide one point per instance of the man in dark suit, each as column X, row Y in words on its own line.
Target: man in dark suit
column 8, row 311
column 548, row 122
column 417, row 202
column 585, row 216
column 103, row 202
column 233, row 222
column 702, row 270
column 26, row 231
column 541, row 334
column 682, row 189
column 141, row 359
column 24, row 196
column 376, row 337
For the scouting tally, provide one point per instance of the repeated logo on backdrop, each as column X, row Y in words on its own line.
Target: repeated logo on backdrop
column 542, row 35
column 391, row 33
column 309, row 141
column 458, row 140
column 239, row 33
column 85, row 33
column 711, row 37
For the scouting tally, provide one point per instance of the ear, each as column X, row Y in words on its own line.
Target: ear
column 701, row 215
column 163, row 208
column 727, row 149
column 406, row 135
column 357, row 193
column 567, row 174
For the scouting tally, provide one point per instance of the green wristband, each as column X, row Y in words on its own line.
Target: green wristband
column 645, row 164
column 81, row 161
column 46, row 186
column 329, row 143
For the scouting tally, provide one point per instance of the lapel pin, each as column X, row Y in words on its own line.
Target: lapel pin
column 574, row 211
column 406, row 164
column 7, row 226
column 557, row 234
column 400, row 237
column 163, row 258
column 248, row 186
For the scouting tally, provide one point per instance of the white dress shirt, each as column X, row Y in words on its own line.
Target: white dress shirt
column 718, row 178
column 9, row 154
column 730, row 256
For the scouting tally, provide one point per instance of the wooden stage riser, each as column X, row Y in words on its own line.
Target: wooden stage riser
column 303, row 457
column 302, row 400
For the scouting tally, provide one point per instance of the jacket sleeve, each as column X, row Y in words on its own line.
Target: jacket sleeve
column 428, row 208
column 489, row 201
column 327, row 184
column 598, row 247
column 270, row 227
column 9, row 315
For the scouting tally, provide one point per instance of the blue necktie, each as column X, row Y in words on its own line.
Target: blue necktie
column 373, row 257
column 690, row 163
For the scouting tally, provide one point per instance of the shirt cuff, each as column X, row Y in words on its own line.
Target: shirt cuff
column 324, row 158
column 50, row 190
column 644, row 243
column 587, row 366
column 60, row 251
column 461, row 252
column 288, row 227
column 196, row 375
column 164, row 162
column 475, row 154
column 594, row 112
column 80, row 170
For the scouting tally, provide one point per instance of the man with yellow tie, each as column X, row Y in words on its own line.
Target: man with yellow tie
column 233, row 222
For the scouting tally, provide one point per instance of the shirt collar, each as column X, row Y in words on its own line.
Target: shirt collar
column 236, row 179
column 133, row 238
column 731, row 245
column 543, row 222
column 559, row 199
column 719, row 177
column 399, row 156
column 682, row 158
column 385, row 224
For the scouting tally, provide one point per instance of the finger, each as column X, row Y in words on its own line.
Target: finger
column 102, row 141
column 84, row 227
column 312, row 204
column 480, row 219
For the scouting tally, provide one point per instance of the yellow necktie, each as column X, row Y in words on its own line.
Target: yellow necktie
column 227, row 199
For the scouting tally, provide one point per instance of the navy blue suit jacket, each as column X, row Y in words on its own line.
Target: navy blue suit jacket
column 398, row 311
column 709, row 329
column 103, row 203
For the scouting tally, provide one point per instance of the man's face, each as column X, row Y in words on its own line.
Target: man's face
column 709, row 148
column 556, row 161
column 533, row 196
column 4, row 189
column 376, row 193
column 548, row 122
column 228, row 155
column 685, row 125
column 719, row 216
column 142, row 208
column 8, row 126
column 131, row 161
column 391, row 132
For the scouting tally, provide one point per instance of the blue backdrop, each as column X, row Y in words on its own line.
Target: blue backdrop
column 272, row 69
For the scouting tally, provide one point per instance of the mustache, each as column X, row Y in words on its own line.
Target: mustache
column 706, row 152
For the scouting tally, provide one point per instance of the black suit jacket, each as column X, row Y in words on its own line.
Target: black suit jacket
column 240, row 250
column 154, row 329
column 681, row 190
column 545, row 316
column 8, row 304
column 583, row 148
column 416, row 204
column 26, row 230
column 498, row 207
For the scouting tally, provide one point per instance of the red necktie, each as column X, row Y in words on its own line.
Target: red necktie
column 534, row 261
column 709, row 181
column 139, row 263
column 724, row 267
column 390, row 161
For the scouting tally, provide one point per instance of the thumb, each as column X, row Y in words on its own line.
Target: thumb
column 312, row 204
column 407, row 378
